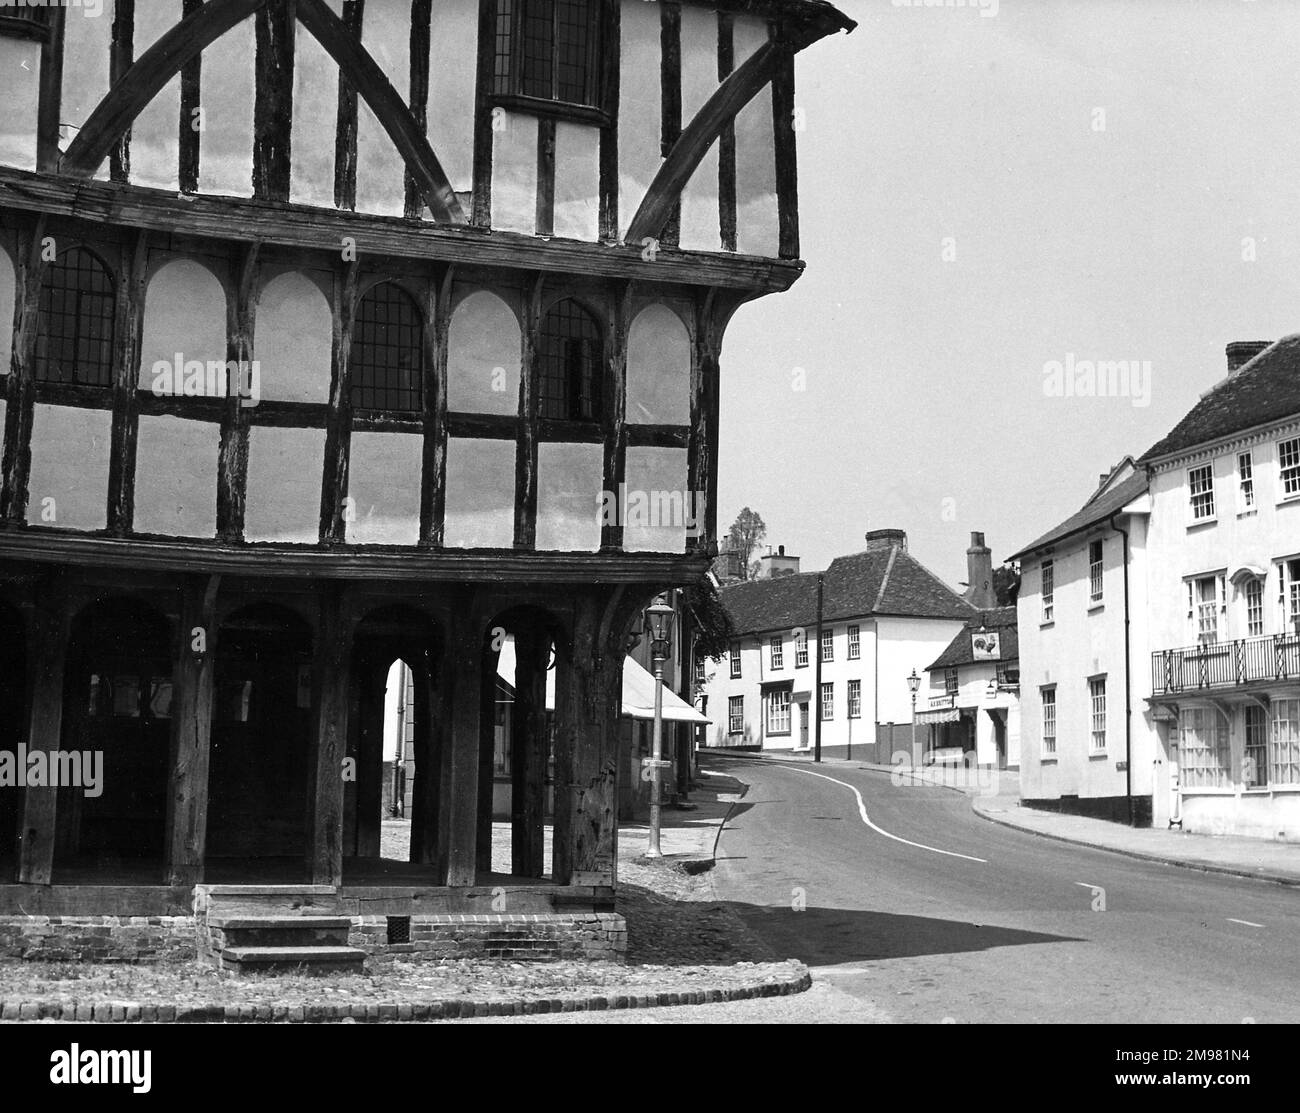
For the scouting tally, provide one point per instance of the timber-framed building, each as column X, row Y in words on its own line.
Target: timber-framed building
column 345, row 331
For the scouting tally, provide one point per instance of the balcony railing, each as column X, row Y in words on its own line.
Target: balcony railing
column 1225, row 664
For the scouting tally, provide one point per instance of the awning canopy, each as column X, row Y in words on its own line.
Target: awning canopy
column 638, row 690
column 944, row 715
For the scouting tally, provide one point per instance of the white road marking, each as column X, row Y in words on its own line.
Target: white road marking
column 1248, row 923
column 862, row 811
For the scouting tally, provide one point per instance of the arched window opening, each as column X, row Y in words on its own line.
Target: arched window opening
column 74, row 343
column 387, row 352
column 570, row 360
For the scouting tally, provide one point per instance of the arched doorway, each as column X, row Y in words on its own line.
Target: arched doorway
column 260, row 769
column 117, row 726
column 13, row 724
column 390, row 807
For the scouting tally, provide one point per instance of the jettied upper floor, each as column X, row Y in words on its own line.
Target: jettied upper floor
column 614, row 128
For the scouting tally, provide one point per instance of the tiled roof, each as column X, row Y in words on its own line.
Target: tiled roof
column 959, row 649
column 1263, row 390
column 886, row 581
column 1096, row 509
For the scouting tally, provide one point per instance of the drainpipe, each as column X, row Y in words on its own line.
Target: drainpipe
column 1128, row 683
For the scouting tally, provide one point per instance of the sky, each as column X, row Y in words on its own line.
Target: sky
column 982, row 196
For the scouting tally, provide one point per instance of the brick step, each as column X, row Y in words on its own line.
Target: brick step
column 307, row 959
column 281, row 930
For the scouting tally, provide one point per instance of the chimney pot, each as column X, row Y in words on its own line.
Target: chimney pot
column 1242, row 351
column 979, row 574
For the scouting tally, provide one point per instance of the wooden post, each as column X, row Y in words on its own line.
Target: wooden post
column 370, row 755
column 458, row 805
column 191, row 734
column 329, row 739
column 528, row 753
column 487, row 764
column 588, row 701
column 429, row 733
column 49, row 643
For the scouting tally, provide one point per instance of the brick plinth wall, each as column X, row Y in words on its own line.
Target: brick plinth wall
column 577, row 935
column 98, row 938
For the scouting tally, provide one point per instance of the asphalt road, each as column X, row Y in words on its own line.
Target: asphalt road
column 969, row 922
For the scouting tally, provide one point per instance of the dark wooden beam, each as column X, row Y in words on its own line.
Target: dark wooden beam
column 369, row 682
column 726, row 140
column 51, row 92
column 430, row 734
column 433, row 490
column 147, row 77
column 544, row 217
column 526, row 442
column 664, row 194
column 388, row 106
column 47, row 652
column 528, row 750
column 614, row 419
column 227, row 219
column 191, row 732
column 487, row 733
column 191, row 112
column 670, row 84
column 273, row 107
column 120, row 59
column 128, row 328
column 484, row 114
column 16, row 460
column 338, row 433
column 332, row 661
column 787, row 167
column 421, row 18
column 608, row 77
column 232, row 465
column 461, row 682
column 345, row 137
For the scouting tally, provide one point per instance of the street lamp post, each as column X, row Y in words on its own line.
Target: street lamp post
column 659, row 620
column 913, row 684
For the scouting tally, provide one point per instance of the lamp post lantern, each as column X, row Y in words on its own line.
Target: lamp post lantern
column 913, row 685
column 659, row 622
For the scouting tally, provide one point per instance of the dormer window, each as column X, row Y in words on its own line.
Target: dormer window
column 547, row 52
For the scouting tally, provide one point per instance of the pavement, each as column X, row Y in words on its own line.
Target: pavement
column 686, row 835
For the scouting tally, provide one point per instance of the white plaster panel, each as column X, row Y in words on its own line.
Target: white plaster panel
column 483, row 355
column 68, row 482
column 514, row 174
column 569, row 484
column 658, row 368
column 480, row 507
column 87, row 41
column 8, row 286
column 176, row 476
column 381, row 171
column 227, row 95
column 640, row 102
column 700, row 224
column 315, row 119
column 384, row 488
column 293, row 339
column 451, row 91
column 285, row 469
column 577, row 181
column 659, row 509
column 757, row 227
column 185, row 315
column 155, row 143
column 20, row 75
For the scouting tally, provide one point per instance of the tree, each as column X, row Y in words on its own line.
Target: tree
column 746, row 534
column 713, row 628
column 1006, row 585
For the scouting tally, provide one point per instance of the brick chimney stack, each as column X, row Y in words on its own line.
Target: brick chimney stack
column 1242, row 351
column 882, row 540
column 979, row 574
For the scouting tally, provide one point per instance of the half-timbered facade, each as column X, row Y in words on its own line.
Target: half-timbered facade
column 344, row 332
